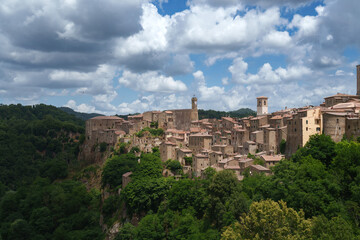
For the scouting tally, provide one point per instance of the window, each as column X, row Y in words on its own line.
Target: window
column 348, row 126
column 337, row 120
column 307, row 121
column 264, row 103
column 306, row 129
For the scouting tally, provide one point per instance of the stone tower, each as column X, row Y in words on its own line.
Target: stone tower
column 194, row 110
column 262, row 105
column 358, row 79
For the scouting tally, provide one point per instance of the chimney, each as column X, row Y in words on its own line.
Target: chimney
column 358, row 79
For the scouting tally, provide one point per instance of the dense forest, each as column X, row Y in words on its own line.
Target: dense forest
column 38, row 147
column 313, row 195
column 243, row 112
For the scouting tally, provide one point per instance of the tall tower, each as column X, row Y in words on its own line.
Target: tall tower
column 262, row 105
column 194, row 110
column 358, row 79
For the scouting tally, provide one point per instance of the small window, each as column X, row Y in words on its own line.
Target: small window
column 295, row 129
column 307, row 121
column 306, row 129
column 337, row 120
column 348, row 126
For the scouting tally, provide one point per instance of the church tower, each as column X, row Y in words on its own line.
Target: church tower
column 358, row 79
column 194, row 110
column 262, row 105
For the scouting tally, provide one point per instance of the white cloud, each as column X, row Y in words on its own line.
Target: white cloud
column 266, row 75
column 84, row 108
column 151, row 81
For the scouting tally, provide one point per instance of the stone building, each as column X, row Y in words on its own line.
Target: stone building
column 339, row 98
column 167, row 151
column 304, row 123
column 200, row 141
column 181, row 153
column 200, row 161
column 334, row 125
column 262, row 105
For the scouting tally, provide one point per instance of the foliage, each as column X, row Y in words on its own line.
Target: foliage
column 154, row 132
column 270, row 220
column 174, row 165
column 320, row 147
column 188, row 161
column 50, row 211
column 243, row 112
column 103, row 146
column 282, row 146
column 35, row 141
column 142, row 195
column 150, row 166
column 115, row 167
column 154, row 124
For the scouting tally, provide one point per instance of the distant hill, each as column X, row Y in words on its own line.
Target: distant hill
column 243, row 112
column 83, row 116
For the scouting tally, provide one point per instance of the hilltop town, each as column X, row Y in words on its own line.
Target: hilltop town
column 229, row 143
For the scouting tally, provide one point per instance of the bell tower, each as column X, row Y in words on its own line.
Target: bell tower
column 358, row 79
column 262, row 105
column 194, row 110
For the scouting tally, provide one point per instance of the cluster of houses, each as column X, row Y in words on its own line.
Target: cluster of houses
column 232, row 143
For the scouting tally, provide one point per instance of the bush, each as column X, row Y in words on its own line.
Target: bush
column 103, row 147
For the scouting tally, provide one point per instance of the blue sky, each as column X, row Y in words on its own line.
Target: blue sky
column 137, row 55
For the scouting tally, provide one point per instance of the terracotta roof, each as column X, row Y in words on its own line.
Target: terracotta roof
column 127, row 174
column 201, row 156
column 185, row 150
column 261, row 97
column 271, row 158
column 246, row 160
column 169, row 143
column 260, row 168
column 276, row 117
column 200, row 135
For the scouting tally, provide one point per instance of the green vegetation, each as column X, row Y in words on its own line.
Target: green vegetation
column 152, row 131
column 36, row 141
column 243, row 112
column 313, row 195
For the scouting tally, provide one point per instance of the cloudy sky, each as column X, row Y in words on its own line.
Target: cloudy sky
column 126, row 56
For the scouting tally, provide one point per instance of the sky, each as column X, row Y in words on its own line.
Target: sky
column 127, row 56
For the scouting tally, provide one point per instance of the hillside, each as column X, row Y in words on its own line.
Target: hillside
column 37, row 140
column 243, row 112
column 83, row 116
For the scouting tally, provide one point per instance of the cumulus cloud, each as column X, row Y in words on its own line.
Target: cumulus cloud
column 266, row 75
column 84, row 108
column 151, row 81
column 263, row 3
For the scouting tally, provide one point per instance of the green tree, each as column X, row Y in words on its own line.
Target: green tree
column 115, row 167
column 270, row 220
column 320, row 147
column 282, row 146
column 150, row 228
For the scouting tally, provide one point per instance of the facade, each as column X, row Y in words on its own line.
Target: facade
column 200, row 141
column 304, row 123
column 262, row 105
